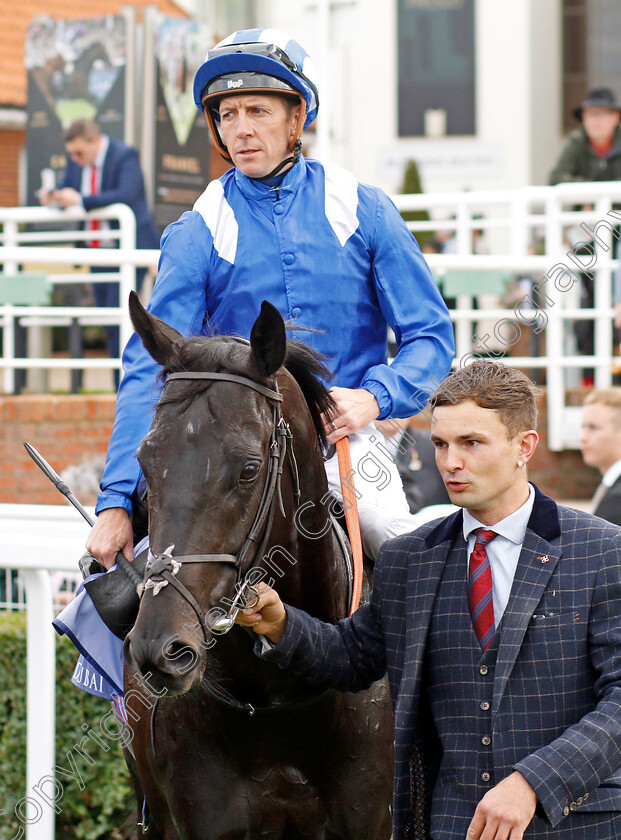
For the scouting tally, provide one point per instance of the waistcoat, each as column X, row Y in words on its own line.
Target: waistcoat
column 459, row 679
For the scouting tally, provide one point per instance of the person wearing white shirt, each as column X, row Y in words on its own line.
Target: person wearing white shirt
column 504, row 550
column 601, row 448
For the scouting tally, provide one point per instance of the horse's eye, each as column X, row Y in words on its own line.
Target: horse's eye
column 249, row 472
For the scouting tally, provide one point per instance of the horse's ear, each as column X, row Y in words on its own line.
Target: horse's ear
column 161, row 340
column 268, row 341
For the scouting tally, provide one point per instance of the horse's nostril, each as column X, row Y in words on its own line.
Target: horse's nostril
column 181, row 657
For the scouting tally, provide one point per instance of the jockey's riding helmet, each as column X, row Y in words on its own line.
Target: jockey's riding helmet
column 257, row 61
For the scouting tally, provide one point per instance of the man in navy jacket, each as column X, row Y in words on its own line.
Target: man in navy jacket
column 102, row 171
column 508, row 730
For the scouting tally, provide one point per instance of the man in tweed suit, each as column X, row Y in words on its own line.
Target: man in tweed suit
column 521, row 738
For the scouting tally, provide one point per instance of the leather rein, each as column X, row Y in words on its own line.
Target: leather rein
column 162, row 569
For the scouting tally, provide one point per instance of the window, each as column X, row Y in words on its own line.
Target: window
column 436, row 74
column 591, row 54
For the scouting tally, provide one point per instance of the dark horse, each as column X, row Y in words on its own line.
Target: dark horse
column 234, row 747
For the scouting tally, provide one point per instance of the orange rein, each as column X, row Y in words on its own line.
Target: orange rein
column 351, row 517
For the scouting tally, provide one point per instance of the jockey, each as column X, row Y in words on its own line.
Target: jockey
column 331, row 254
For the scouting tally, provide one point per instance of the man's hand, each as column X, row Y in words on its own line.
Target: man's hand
column 45, row 197
column 355, row 409
column 66, row 197
column 505, row 811
column 267, row 617
column 111, row 533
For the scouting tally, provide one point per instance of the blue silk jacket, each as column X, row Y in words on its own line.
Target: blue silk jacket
column 331, row 254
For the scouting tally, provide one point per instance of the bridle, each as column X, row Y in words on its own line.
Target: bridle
column 162, row 569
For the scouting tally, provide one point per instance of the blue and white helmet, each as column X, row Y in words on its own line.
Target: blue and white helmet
column 256, row 61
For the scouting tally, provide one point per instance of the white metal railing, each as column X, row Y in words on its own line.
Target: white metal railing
column 38, row 540
column 52, row 249
column 556, row 220
column 514, row 221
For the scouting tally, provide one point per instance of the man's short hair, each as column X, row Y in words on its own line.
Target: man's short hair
column 492, row 385
column 606, row 396
column 84, row 129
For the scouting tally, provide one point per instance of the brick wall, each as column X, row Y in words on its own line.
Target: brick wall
column 11, row 143
column 66, row 430
column 73, row 430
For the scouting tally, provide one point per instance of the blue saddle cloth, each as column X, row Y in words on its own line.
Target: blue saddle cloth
column 99, row 669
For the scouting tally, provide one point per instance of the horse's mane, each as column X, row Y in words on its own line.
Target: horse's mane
column 228, row 353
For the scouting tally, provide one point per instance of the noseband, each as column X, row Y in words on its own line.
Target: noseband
column 162, row 569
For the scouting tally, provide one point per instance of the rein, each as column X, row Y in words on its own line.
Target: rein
column 162, row 569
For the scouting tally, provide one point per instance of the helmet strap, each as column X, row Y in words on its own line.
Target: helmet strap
column 295, row 148
column 293, row 159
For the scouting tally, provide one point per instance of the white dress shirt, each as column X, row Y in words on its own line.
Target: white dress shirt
column 503, row 551
column 612, row 474
column 98, row 163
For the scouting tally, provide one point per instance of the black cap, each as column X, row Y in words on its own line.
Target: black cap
column 597, row 98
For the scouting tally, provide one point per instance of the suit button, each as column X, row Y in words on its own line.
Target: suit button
column 572, row 806
column 585, row 797
column 288, row 259
column 485, row 706
column 483, row 670
column 566, row 811
column 279, row 209
column 486, row 740
column 296, row 312
column 485, row 777
column 579, row 800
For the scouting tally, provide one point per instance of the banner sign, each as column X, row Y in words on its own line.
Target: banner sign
column 76, row 70
column 182, row 146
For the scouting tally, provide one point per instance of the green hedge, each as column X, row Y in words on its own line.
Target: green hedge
column 105, row 807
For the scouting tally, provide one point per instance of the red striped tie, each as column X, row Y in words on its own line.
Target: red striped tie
column 94, row 225
column 480, row 588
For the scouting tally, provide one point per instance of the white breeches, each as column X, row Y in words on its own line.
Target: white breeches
column 382, row 505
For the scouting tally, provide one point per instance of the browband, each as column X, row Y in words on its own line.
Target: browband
column 227, row 377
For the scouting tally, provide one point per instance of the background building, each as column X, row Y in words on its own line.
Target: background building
column 478, row 92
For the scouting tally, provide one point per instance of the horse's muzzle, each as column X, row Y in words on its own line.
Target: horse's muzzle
column 172, row 664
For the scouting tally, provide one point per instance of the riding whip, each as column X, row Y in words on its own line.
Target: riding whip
column 121, row 560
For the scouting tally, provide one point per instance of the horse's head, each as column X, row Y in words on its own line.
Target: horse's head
column 220, row 484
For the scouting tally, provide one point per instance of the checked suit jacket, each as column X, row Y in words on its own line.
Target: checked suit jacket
column 556, row 695
column 121, row 182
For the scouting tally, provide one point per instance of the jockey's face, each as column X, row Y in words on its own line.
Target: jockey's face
column 258, row 131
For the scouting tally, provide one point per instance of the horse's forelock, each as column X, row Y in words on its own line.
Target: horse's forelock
column 227, row 353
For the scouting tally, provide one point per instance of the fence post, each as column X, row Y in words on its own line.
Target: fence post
column 41, row 705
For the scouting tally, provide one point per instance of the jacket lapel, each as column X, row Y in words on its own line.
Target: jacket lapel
column 538, row 559
column 424, row 576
